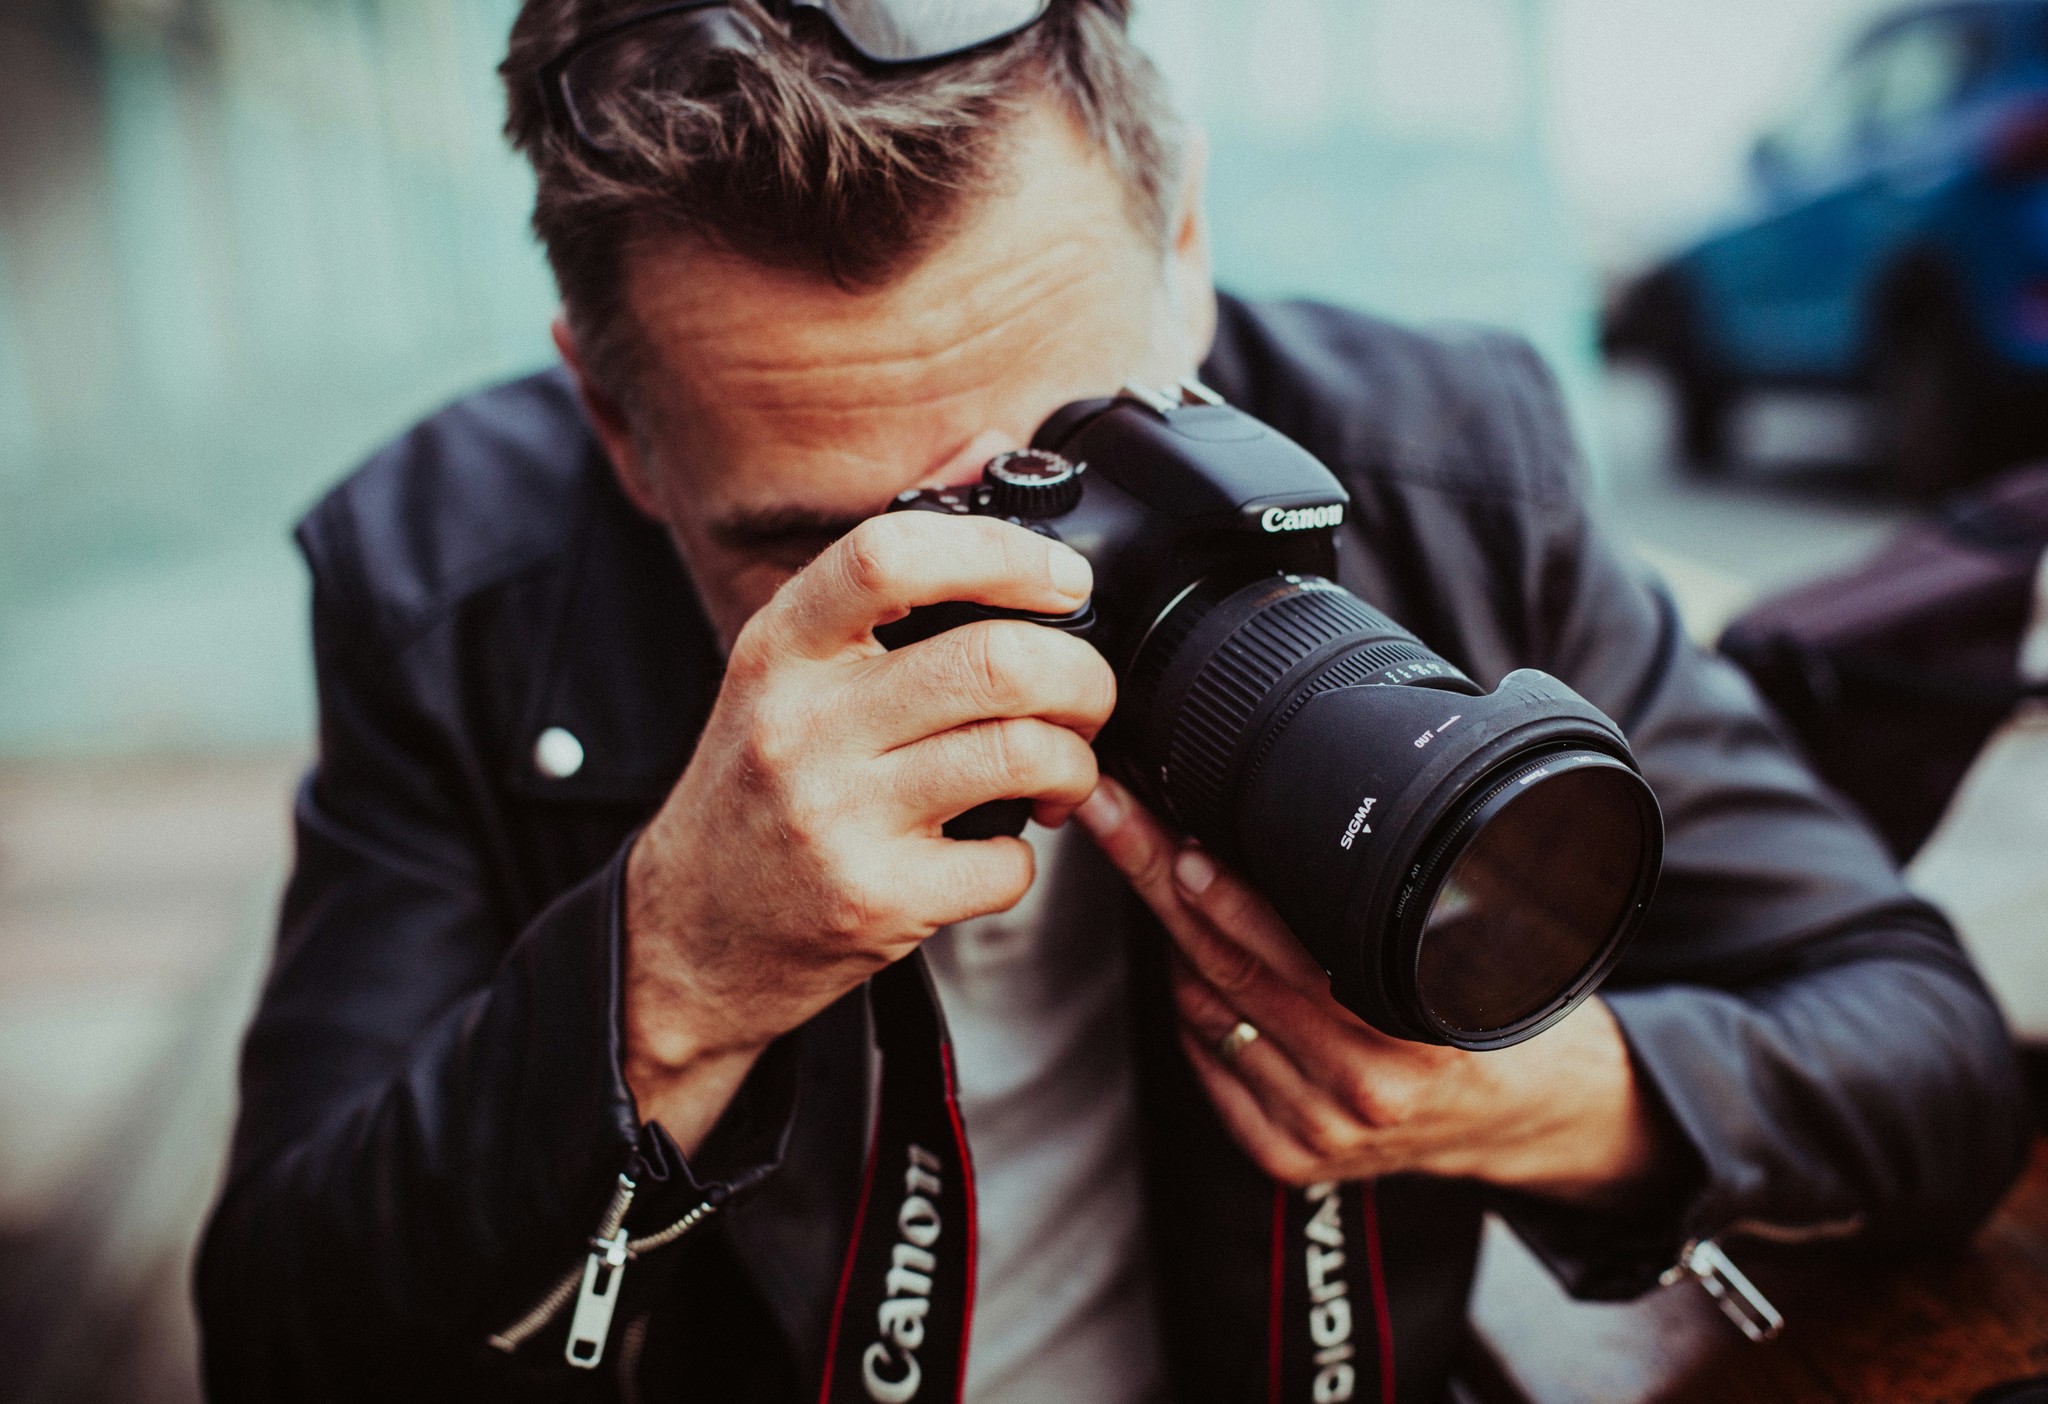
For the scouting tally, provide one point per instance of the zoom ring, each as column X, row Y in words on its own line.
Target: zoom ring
column 1209, row 724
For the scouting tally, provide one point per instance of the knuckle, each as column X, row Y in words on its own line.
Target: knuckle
column 869, row 554
column 753, row 650
column 1208, row 1013
column 1145, row 857
column 1398, row 1103
column 1010, row 749
column 1229, row 904
column 983, row 666
column 774, row 742
column 1050, row 760
column 1367, row 1096
column 1231, row 968
column 859, row 909
column 1151, row 871
column 1328, row 1136
column 845, row 915
column 810, row 812
column 1286, row 1168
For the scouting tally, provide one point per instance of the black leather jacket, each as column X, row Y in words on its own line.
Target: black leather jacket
column 433, row 1117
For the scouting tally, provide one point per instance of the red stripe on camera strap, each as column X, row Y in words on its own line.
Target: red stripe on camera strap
column 1330, row 1335
column 905, row 1304
column 906, row 1291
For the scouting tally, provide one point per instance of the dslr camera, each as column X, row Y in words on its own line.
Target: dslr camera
column 1467, row 865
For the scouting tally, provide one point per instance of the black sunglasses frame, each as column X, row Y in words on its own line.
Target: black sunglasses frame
column 553, row 78
column 560, row 101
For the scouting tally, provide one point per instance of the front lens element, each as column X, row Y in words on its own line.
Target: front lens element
column 1535, row 900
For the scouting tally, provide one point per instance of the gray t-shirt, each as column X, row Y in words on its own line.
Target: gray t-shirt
column 1034, row 997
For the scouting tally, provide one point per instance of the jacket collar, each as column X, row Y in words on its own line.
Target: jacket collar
column 626, row 660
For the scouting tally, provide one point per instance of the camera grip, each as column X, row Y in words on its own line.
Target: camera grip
column 1003, row 818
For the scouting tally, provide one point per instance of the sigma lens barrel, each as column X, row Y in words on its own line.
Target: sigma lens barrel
column 1467, row 865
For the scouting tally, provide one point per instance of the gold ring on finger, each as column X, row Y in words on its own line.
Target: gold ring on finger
column 1241, row 1036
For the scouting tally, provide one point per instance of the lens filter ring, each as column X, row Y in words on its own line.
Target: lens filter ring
column 1526, row 898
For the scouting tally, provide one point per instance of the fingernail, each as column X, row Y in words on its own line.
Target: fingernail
column 1100, row 811
column 1070, row 572
column 1194, row 870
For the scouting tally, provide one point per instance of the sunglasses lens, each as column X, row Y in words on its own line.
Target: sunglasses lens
column 906, row 31
column 615, row 85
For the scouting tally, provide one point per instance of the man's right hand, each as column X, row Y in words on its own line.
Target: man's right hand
column 801, row 850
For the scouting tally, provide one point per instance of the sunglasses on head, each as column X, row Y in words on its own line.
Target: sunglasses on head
column 662, row 47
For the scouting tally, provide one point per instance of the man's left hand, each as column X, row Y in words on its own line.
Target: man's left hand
column 1319, row 1094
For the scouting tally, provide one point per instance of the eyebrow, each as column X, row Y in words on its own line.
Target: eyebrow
column 781, row 527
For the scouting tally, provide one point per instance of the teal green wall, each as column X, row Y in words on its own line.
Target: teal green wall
column 299, row 230
column 284, row 228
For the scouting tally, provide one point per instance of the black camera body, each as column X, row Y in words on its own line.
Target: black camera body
column 1466, row 865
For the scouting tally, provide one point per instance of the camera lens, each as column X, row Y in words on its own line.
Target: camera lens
column 1466, row 865
column 1544, row 872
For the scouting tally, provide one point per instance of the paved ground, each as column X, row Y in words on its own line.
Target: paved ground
column 134, row 905
column 1798, row 504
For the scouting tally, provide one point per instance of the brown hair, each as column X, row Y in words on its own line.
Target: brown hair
column 796, row 154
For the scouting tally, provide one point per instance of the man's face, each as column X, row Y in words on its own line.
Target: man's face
column 776, row 409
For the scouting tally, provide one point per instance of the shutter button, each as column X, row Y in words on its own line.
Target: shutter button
column 557, row 754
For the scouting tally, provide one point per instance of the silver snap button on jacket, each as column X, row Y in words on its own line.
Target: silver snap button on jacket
column 557, row 754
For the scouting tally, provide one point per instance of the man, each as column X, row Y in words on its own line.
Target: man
column 581, row 1014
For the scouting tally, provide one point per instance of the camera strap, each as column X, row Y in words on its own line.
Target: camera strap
column 901, row 1321
column 906, row 1291
column 1329, row 1334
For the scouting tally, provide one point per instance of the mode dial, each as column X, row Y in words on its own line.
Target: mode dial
column 1032, row 483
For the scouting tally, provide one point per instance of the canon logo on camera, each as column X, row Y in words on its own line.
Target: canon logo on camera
column 1302, row 518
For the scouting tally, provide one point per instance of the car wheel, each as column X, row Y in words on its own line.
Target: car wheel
column 1705, row 406
column 1935, row 407
column 1703, row 395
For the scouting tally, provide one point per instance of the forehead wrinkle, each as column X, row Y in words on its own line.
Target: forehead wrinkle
column 914, row 328
column 883, row 382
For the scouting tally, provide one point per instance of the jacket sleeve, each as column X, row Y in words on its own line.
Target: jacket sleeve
column 1819, row 1040
column 433, row 1118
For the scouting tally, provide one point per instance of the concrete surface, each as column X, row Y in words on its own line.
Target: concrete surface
column 1797, row 503
column 134, row 920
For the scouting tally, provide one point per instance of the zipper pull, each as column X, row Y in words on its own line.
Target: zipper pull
column 1732, row 1291
column 603, row 1271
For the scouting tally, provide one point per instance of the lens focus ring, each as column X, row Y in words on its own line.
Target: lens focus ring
column 1290, row 622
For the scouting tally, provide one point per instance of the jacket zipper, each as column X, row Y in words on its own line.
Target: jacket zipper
column 600, row 1276
column 1703, row 1260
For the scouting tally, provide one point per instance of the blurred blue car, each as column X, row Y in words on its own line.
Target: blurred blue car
column 1898, row 244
